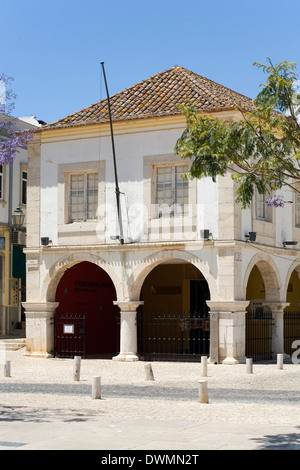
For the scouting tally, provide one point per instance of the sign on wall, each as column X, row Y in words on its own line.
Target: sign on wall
column 69, row 329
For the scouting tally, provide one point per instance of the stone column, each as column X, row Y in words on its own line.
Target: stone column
column 128, row 331
column 231, row 331
column 214, row 335
column 277, row 309
column 40, row 328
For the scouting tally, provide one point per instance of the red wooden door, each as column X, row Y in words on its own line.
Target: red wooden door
column 87, row 288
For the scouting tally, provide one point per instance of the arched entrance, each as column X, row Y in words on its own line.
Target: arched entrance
column 292, row 312
column 262, row 290
column 173, row 323
column 86, row 319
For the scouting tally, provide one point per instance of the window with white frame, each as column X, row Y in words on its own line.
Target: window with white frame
column 171, row 189
column 263, row 212
column 83, row 196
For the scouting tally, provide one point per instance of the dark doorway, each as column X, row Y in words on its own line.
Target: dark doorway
column 86, row 290
column 173, row 324
column 199, row 294
column 199, row 315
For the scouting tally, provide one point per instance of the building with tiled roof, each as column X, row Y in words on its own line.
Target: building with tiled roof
column 184, row 271
column 159, row 96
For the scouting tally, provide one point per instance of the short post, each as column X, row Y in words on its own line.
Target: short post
column 77, row 365
column 203, row 366
column 203, row 393
column 279, row 361
column 7, row 369
column 249, row 366
column 96, row 388
column 149, row 372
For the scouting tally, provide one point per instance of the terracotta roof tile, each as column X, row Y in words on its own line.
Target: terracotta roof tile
column 159, row 96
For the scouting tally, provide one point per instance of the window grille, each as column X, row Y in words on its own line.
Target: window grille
column 172, row 190
column 263, row 212
column 261, row 208
column 83, row 198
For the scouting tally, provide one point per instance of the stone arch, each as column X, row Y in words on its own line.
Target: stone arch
column 270, row 274
column 56, row 272
column 294, row 266
column 140, row 273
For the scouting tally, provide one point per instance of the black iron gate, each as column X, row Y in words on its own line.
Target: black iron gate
column 173, row 337
column 69, row 335
column 291, row 331
column 259, row 334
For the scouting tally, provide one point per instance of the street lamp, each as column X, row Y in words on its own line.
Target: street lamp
column 18, row 218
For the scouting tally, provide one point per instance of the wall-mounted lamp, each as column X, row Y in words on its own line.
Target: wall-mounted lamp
column 18, row 218
column 45, row 241
column 251, row 237
column 205, row 234
column 285, row 244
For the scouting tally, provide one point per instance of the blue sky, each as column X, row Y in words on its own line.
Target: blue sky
column 54, row 49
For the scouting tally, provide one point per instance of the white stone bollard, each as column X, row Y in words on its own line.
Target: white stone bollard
column 96, row 388
column 203, row 393
column 77, row 366
column 203, row 366
column 7, row 372
column 279, row 361
column 149, row 372
column 249, row 366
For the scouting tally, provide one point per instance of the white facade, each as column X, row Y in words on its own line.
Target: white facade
column 225, row 260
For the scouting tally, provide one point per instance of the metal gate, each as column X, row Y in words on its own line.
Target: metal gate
column 259, row 334
column 173, row 336
column 69, row 334
column 291, row 331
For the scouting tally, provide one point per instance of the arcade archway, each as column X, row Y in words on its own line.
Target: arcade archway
column 173, row 323
column 292, row 312
column 262, row 289
column 86, row 318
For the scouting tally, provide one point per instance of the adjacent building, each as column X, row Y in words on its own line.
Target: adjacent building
column 181, row 270
column 13, row 204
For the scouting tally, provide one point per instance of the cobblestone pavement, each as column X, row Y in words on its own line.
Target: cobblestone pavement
column 42, row 407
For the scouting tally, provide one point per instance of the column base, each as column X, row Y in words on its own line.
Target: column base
column 212, row 361
column 285, row 356
column 38, row 355
column 126, row 357
column 233, row 360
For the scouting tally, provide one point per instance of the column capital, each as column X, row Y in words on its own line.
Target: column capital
column 228, row 306
column 276, row 306
column 40, row 307
column 128, row 306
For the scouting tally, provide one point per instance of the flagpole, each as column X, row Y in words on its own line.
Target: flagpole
column 114, row 159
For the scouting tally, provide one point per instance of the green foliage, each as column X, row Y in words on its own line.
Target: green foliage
column 261, row 150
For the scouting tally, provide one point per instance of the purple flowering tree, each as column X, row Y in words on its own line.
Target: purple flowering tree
column 11, row 139
column 275, row 201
